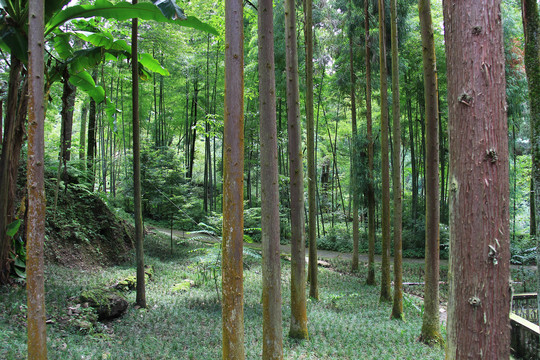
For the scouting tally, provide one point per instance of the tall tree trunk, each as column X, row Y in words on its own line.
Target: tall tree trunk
column 82, row 137
column 90, row 155
column 397, row 309
column 68, row 105
column 193, row 129
column 233, row 184
column 310, row 129
column 271, row 262
column 414, row 171
column 369, row 124
column 35, row 226
column 137, row 198
column 430, row 325
column 298, row 328
column 385, row 163
column 14, row 132
column 531, row 26
column 1, row 117
column 355, row 195
column 479, row 293
column 443, row 217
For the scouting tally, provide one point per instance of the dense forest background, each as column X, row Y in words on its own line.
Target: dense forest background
column 91, row 144
column 182, row 122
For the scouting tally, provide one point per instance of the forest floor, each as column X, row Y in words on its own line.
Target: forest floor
column 184, row 322
column 284, row 248
column 414, row 288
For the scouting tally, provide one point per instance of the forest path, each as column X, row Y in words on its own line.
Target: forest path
column 285, row 249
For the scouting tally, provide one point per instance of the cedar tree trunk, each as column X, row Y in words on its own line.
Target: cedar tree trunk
column 385, row 163
column 233, row 184
column 312, row 176
column 397, row 308
column 431, row 325
column 298, row 327
column 369, row 125
column 479, row 293
column 271, row 262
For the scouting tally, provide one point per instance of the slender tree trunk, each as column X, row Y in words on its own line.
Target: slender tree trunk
column 479, row 292
column 397, row 309
column 369, row 124
column 430, row 325
column 35, row 226
column 137, row 199
column 355, row 195
column 68, row 105
column 1, row 118
column 82, row 137
column 14, row 131
column 233, row 183
column 310, row 129
column 91, row 143
column 531, row 26
column 414, row 171
column 298, row 328
column 271, row 297
column 385, row 163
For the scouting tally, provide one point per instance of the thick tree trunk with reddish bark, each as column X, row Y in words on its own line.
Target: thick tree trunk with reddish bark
column 233, row 184
column 431, row 325
column 35, row 225
column 298, row 328
column 386, row 294
column 479, row 293
column 271, row 266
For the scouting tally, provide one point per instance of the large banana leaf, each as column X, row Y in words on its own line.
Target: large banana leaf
column 83, row 80
column 122, row 11
column 62, row 46
column 106, row 41
column 170, row 9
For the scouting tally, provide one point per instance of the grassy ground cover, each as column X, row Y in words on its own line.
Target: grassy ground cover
column 347, row 323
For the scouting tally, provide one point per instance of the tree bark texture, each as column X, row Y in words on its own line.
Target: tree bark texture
column 271, row 262
column 82, row 138
column 298, row 328
column 397, row 308
column 369, row 125
column 91, row 152
column 356, row 197
column 431, row 325
column 14, row 132
column 310, row 130
column 531, row 27
column 137, row 198
column 35, row 225
column 478, row 323
column 233, row 184
column 68, row 104
column 386, row 294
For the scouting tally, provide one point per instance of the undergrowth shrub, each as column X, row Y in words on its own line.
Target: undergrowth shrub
column 335, row 240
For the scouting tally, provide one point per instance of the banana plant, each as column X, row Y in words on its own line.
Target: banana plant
column 14, row 40
column 13, row 20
